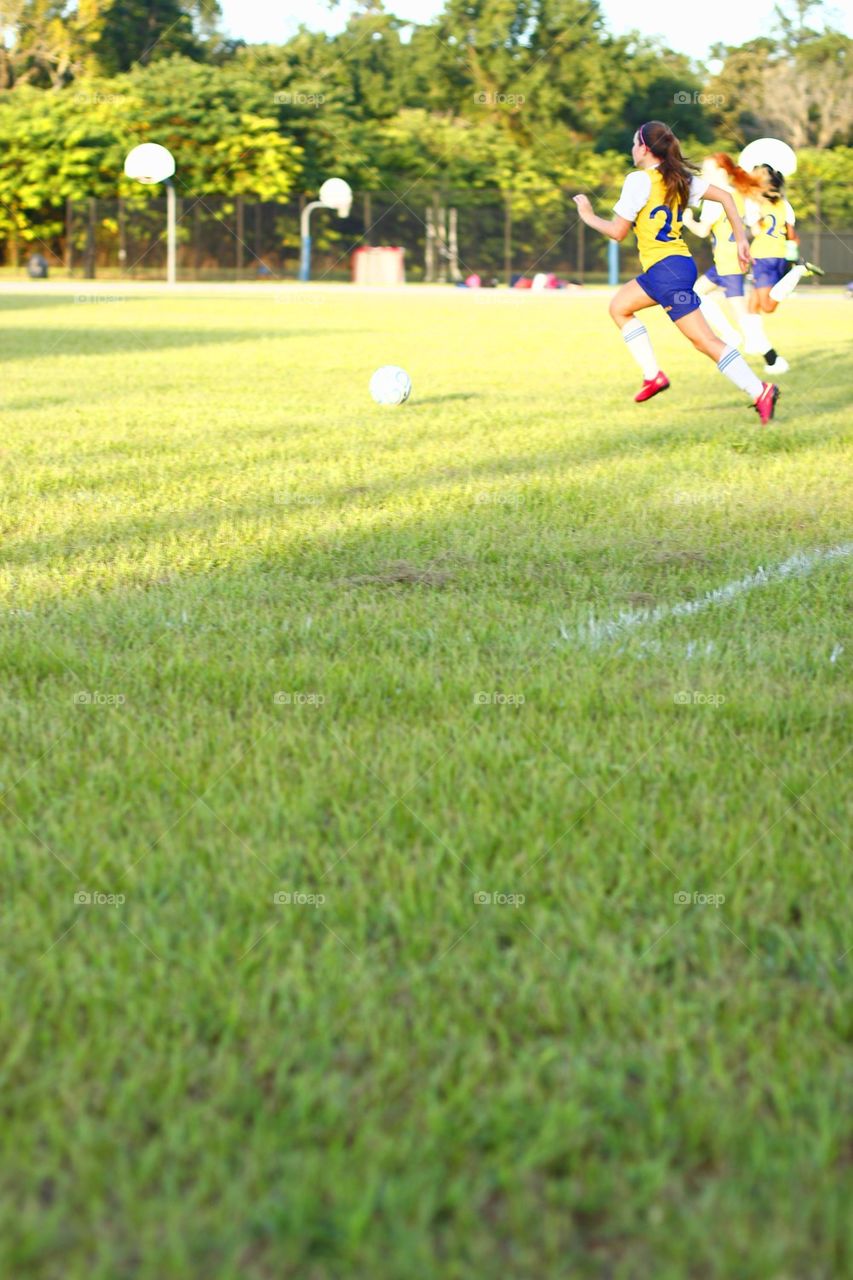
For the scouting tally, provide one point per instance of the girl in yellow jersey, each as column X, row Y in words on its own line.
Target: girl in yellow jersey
column 726, row 275
column 653, row 202
column 774, row 247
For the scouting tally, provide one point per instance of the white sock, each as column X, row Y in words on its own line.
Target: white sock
column 716, row 318
column 757, row 341
column 733, row 365
column 639, row 344
column 738, row 306
column 785, row 287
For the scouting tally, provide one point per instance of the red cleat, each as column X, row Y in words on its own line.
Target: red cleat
column 652, row 386
column 765, row 405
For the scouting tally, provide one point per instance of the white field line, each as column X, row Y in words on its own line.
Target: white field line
column 596, row 632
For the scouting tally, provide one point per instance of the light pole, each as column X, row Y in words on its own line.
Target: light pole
column 149, row 164
column 334, row 194
column 171, row 233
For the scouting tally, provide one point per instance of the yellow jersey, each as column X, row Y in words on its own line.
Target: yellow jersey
column 723, row 237
column 767, row 220
column 657, row 222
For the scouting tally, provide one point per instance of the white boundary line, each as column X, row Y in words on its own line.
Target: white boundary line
column 594, row 633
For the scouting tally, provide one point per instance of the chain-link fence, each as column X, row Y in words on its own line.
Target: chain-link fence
column 446, row 237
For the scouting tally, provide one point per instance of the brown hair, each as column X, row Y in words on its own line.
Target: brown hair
column 775, row 188
column 742, row 181
column 674, row 169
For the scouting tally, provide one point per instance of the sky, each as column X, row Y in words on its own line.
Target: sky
column 688, row 28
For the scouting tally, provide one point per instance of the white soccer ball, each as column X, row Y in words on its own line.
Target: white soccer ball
column 390, row 385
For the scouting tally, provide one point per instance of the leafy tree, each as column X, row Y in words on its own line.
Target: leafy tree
column 795, row 84
column 142, row 31
column 217, row 122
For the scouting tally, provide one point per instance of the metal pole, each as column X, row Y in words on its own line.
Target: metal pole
column 171, row 234
column 508, row 241
column 305, row 239
column 817, row 226
column 89, row 270
column 69, row 235
column 613, row 262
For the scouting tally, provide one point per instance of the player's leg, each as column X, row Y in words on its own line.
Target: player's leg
column 624, row 305
column 710, row 293
column 766, row 304
column 626, row 301
column 757, row 341
column 783, row 288
column 730, row 362
column 708, row 289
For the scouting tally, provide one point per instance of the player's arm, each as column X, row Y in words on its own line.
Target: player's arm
column 790, row 231
column 615, row 228
column 725, row 199
column 696, row 225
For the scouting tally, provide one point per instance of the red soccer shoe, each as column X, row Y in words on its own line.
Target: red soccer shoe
column 652, row 386
column 765, row 405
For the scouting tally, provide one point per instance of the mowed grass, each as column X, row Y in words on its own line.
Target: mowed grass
column 262, row 637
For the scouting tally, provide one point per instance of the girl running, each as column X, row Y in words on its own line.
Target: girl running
column 775, row 245
column 653, row 201
column 726, row 276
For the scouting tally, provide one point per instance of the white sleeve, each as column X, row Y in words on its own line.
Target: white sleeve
column 790, row 216
column 751, row 213
column 710, row 212
column 635, row 192
column 698, row 187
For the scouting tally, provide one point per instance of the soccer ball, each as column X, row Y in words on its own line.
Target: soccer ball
column 390, row 385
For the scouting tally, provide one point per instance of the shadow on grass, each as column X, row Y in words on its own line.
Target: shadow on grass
column 494, row 490
column 46, row 302
column 446, row 399
column 100, row 340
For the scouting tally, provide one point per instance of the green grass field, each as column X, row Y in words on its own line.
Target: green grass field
column 262, row 637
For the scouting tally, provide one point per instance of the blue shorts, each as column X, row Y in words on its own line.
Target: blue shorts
column 670, row 283
column 768, row 271
column 733, row 285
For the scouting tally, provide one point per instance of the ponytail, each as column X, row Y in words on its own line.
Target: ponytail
column 674, row 169
column 775, row 189
column 741, row 181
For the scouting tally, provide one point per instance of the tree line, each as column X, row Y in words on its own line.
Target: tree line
column 523, row 98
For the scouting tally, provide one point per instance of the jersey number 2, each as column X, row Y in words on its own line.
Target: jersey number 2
column 665, row 233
